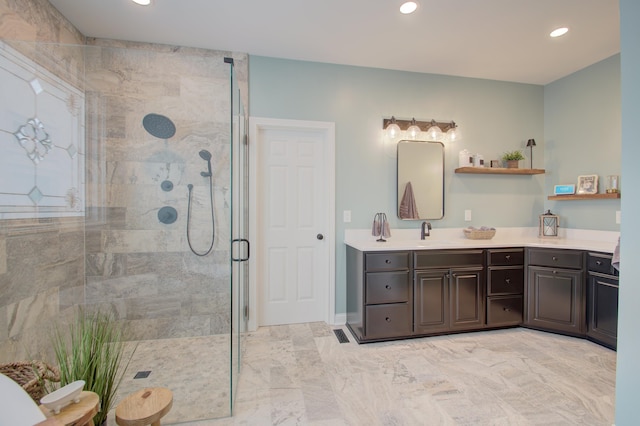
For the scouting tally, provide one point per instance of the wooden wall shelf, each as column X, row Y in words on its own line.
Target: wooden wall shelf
column 584, row 197
column 498, row 171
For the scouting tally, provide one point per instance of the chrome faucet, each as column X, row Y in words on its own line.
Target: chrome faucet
column 426, row 227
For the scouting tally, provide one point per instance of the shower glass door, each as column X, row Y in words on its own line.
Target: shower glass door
column 240, row 249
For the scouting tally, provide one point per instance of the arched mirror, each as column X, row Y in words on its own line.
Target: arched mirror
column 420, row 180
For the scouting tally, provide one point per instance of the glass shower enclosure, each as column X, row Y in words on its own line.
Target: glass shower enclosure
column 123, row 187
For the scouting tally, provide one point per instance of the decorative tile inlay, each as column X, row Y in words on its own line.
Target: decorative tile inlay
column 72, row 105
column 45, row 115
column 72, row 151
column 34, row 139
column 73, row 199
column 36, row 86
column 35, row 195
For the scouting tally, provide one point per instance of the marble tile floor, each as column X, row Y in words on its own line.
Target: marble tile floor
column 301, row 375
column 196, row 369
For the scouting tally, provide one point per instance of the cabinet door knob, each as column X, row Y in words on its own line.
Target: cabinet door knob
column 554, row 258
column 508, row 257
column 387, row 319
column 598, row 262
column 387, row 286
column 508, row 281
column 387, row 261
column 555, row 272
column 506, row 309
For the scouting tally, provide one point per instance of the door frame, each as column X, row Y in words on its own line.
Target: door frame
column 256, row 124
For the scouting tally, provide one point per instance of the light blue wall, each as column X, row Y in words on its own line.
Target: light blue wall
column 582, row 137
column 494, row 117
column 628, row 373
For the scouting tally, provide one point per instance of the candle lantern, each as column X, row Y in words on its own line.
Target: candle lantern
column 549, row 224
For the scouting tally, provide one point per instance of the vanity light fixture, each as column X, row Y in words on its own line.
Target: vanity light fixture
column 559, row 32
column 530, row 144
column 437, row 131
column 142, row 2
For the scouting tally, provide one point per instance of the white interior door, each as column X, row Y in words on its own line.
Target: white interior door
column 295, row 225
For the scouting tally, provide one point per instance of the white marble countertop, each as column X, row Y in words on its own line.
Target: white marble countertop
column 453, row 238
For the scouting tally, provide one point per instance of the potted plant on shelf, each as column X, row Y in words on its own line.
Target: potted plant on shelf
column 511, row 158
column 93, row 350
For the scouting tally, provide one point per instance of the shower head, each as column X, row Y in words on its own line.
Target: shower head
column 159, row 126
column 206, row 156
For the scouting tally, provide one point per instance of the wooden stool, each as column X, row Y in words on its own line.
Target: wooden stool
column 80, row 413
column 145, row 407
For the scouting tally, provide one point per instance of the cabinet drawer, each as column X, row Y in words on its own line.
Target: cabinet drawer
column 599, row 262
column 386, row 261
column 556, row 258
column 447, row 258
column 387, row 287
column 504, row 310
column 506, row 280
column 393, row 320
column 505, row 257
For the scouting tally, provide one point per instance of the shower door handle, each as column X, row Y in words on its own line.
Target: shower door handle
column 240, row 240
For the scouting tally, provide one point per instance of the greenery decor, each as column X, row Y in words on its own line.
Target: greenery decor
column 513, row 156
column 93, row 351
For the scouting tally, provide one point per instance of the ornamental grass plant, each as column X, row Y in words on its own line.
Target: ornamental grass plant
column 92, row 349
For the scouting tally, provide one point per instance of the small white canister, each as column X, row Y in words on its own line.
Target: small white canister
column 465, row 159
column 478, row 160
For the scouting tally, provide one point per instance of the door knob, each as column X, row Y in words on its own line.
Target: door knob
column 320, row 237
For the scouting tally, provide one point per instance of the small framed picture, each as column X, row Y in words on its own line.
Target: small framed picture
column 587, row 184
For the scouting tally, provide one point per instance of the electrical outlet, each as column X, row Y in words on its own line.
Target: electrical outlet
column 467, row 215
column 618, row 217
column 346, row 216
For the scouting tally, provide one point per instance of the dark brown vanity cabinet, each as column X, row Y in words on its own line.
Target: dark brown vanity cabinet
column 602, row 300
column 505, row 286
column 379, row 294
column 555, row 290
column 449, row 291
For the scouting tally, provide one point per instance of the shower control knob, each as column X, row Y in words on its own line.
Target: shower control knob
column 320, row 237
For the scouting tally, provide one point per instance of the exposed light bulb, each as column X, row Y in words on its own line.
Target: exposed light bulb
column 408, row 7
column 453, row 134
column 393, row 130
column 559, row 32
column 434, row 133
column 414, row 130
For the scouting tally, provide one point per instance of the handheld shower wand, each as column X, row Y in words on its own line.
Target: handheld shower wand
column 206, row 156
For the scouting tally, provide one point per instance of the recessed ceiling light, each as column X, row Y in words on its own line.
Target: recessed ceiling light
column 142, row 2
column 559, row 32
column 408, row 7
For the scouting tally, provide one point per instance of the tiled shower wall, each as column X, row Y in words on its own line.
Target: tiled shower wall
column 136, row 266
column 140, row 268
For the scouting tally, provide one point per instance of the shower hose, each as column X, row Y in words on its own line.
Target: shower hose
column 213, row 222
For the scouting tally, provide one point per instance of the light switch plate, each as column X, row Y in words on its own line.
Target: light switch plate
column 346, row 216
column 467, row 215
column 618, row 217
